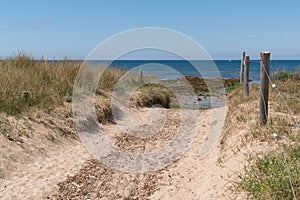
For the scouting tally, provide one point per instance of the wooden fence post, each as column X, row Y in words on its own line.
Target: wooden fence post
column 264, row 85
column 242, row 67
column 140, row 75
column 246, row 76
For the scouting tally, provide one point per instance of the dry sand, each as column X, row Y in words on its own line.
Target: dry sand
column 65, row 170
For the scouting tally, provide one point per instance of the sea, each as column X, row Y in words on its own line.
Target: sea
column 173, row 69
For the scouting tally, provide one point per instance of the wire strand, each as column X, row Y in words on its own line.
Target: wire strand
column 288, row 170
column 274, row 133
column 282, row 98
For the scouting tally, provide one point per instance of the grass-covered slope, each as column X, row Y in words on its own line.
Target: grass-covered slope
column 26, row 84
column 265, row 176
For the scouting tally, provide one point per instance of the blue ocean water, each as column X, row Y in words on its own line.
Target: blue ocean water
column 172, row 69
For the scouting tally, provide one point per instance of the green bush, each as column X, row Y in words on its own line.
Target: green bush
column 152, row 94
column 267, row 178
column 283, row 76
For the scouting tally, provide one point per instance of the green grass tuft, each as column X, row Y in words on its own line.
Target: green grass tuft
column 284, row 76
column 267, row 178
column 151, row 94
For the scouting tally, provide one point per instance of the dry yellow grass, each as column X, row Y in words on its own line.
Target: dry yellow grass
column 49, row 84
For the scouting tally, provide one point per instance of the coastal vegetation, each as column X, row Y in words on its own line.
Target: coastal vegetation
column 30, row 87
column 47, row 84
column 27, row 84
column 285, row 75
column 265, row 175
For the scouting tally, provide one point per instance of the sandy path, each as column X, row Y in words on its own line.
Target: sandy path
column 194, row 178
column 37, row 180
column 187, row 178
column 65, row 172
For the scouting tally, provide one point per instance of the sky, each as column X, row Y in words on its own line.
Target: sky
column 224, row 28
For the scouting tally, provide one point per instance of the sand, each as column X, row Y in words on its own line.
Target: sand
column 66, row 170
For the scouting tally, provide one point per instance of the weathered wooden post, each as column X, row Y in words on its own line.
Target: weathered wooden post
column 264, row 85
column 140, row 75
column 242, row 67
column 246, row 76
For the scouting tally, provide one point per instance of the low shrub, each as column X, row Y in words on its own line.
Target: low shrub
column 152, row 94
column 283, row 76
column 267, row 178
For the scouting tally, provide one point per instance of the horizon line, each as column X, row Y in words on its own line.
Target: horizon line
column 51, row 60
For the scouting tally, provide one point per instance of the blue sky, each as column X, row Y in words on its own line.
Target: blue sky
column 223, row 27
